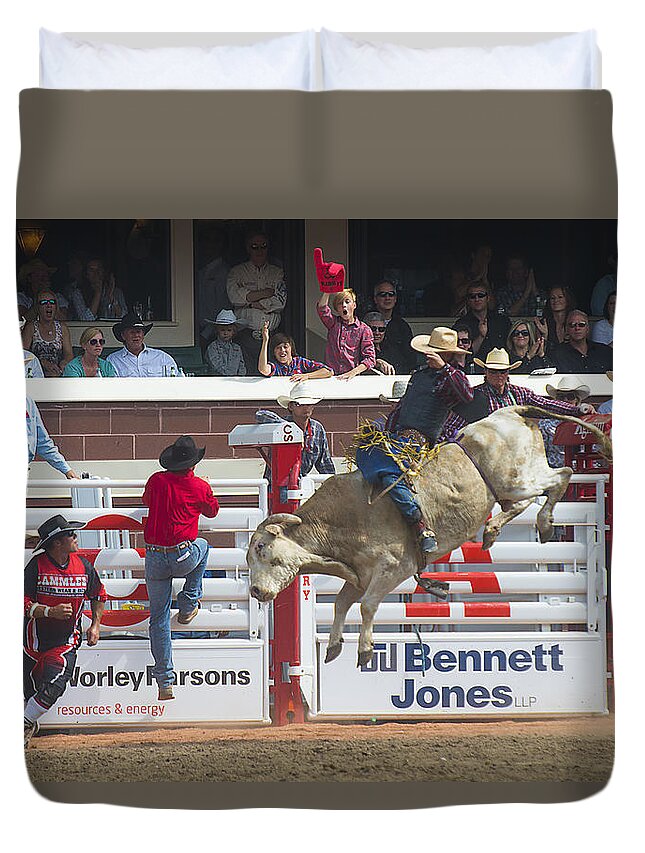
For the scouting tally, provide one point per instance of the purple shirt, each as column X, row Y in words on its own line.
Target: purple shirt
column 348, row 344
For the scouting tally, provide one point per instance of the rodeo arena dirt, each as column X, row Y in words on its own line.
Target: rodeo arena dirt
column 506, row 683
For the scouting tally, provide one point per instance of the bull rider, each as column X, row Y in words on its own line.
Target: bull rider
column 385, row 458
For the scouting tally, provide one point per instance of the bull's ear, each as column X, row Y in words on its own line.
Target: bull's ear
column 273, row 529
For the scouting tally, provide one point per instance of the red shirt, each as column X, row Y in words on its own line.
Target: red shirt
column 176, row 500
column 47, row 582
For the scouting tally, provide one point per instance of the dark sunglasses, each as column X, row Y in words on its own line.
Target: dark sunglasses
column 565, row 396
column 385, row 293
column 69, row 534
column 521, row 333
column 257, row 246
column 463, row 342
column 481, row 294
column 46, row 301
column 580, row 325
column 493, row 370
column 377, row 328
column 96, row 342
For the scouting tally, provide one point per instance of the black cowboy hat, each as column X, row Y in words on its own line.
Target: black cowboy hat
column 53, row 527
column 181, row 455
column 130, row 321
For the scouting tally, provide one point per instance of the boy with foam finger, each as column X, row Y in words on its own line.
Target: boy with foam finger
column 350, row 342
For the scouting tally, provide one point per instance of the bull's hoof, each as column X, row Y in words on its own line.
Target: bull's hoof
column 333, row 652
column 545, row 533
column 365, row 657
column 488, row 540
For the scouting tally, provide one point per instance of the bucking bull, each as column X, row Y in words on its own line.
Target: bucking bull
column 369, row 545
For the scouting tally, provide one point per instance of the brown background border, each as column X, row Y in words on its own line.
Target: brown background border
column 470, row 155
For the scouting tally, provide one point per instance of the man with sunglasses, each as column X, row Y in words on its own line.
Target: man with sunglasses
column 258, row 294
column 578, row 354
column 395, row 344
column 488, row 330
column 496, row 392
column 57, row 582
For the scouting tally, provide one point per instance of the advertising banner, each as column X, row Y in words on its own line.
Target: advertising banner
column 216, row 681
column 473, row 675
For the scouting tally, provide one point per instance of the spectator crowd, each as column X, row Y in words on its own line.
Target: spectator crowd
column 242, row 329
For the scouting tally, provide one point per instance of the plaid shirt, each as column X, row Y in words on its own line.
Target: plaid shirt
column 315, row 452
column 299, row 364
column 348, row 344
column 512, row 395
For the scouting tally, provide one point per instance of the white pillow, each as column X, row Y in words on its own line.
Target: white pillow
column 565, row 62
column 285, row 62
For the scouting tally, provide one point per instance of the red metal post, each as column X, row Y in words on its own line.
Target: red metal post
column 287, row 699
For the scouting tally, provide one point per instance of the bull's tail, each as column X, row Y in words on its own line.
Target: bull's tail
column 536, row 412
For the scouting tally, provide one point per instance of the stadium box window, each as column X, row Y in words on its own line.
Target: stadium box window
column 220, row 244
column 137, row 252
column 428, row 260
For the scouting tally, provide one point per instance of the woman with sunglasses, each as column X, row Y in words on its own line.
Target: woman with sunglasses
column 47, row 337
column 89, row 362
column 526, row 344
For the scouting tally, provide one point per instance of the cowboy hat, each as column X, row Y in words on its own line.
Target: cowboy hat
column 224, row 318
column 398, row 390
column 181, row 455
column 497, row 359
column 130, row 321
column 29, row 266
column 53, row 527
column 300, row 393
column 569, row 385
column 441, row 339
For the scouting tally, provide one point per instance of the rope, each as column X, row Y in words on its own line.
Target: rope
column 410, row 457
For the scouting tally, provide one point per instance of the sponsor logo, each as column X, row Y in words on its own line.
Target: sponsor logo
column 113, row 677
column 415, row 658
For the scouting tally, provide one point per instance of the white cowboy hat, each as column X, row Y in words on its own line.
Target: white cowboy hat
column 440, row 340
column 497, row 359
column 300, row 393
column 569, row 385
column 224, row 318
column 398, row 390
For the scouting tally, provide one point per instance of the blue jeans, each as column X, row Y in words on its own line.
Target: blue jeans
column 160, row 570
column 381, row 470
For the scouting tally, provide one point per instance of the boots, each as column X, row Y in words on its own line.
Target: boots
column 425, row 538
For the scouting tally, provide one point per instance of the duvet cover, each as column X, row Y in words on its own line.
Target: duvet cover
column 499, row 694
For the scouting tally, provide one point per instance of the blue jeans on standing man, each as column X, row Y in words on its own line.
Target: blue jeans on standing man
column 161, row 568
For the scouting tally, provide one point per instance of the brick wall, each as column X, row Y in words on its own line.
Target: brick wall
column 92, row 431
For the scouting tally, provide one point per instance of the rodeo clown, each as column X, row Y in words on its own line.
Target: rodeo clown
column 386, row 458
column 57, row 582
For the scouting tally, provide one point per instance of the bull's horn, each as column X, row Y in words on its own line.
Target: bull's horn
column 284, row 519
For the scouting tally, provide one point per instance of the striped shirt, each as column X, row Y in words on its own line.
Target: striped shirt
column 298, row 364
